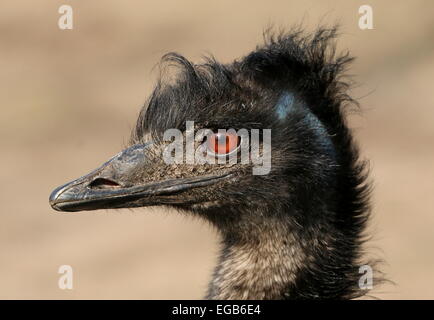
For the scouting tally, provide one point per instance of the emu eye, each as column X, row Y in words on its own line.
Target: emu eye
column 223, row 143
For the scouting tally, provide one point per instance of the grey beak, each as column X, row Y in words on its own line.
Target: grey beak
column 102, row 187
column 115, row 185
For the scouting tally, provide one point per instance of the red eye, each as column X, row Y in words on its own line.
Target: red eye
column 223, row 143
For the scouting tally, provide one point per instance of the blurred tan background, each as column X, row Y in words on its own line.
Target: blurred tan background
column 70, row 98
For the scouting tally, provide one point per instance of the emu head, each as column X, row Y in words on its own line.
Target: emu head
column 291, row 87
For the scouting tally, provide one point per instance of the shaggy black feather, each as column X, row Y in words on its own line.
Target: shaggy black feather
column 297, row 232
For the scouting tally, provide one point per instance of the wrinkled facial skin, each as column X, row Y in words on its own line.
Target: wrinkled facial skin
column 139, row 176
column 134, row 178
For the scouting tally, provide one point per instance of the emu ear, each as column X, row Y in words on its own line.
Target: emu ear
column 285, row 104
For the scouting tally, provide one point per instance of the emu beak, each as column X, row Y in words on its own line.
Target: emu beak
column 113, row 185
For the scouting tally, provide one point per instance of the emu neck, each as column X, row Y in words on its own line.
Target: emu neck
column 260, row 263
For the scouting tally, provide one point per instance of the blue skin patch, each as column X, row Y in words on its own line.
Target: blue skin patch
column 284, row 105
column 287, row 104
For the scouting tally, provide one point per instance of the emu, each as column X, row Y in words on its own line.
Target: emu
column 294, row 233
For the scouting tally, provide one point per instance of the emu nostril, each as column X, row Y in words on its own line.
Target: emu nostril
column 103, row 183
